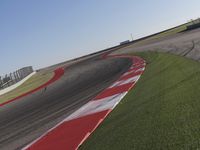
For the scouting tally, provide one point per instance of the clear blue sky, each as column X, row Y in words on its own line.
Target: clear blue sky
column 45, row 32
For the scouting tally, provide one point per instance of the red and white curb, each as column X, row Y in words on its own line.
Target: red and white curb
column 75, row 129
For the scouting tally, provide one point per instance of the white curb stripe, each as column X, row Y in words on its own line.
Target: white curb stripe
column 129, row 80
column 97, row 106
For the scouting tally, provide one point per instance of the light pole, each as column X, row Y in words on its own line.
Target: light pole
column 131, row 37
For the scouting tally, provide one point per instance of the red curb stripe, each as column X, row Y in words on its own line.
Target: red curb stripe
column 57, row 74
column 135, row 68
column 114, row 90
column 130, row 75
column 71, row 132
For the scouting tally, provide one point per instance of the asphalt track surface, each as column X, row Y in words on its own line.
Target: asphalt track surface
column 24, row 120
column 186, row 44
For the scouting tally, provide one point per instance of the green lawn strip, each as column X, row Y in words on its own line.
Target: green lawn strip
column 161, row 112
column 32, row 83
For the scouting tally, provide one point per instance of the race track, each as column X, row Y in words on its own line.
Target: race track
column 27, row 118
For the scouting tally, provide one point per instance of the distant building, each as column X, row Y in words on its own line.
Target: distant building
column 25, row 71
column 124, row 42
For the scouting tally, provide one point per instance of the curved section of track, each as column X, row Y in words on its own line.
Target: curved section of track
column 76, row 128
column 24, row 120
column 58, row 73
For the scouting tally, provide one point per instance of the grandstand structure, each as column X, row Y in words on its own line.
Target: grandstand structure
column 14, row 77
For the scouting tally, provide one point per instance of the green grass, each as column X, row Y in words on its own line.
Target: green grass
column 32, row 83
column 161, row 112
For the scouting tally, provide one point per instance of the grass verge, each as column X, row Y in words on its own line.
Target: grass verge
column 32, row 83
column 161, row 112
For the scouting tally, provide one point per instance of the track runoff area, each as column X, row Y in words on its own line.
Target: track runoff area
column 76, row 128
